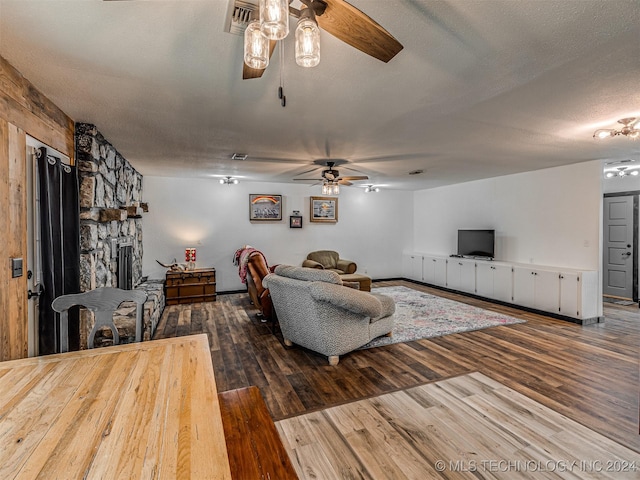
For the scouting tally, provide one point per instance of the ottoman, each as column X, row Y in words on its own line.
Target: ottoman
column 363, row 280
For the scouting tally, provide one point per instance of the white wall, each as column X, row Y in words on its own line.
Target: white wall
column 546, row 217
column 373, row 229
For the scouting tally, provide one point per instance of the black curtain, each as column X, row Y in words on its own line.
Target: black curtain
column 60, row 247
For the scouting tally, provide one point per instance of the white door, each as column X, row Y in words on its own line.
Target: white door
column 618, row 261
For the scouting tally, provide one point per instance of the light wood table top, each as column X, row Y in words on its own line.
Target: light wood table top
column 142, row 410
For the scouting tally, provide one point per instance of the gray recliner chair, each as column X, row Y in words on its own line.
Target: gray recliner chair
column 317, row 312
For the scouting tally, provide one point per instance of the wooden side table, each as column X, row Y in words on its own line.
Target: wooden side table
column 191, row 286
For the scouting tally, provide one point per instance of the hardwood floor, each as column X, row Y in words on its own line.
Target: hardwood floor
column 590, row 374
column 464, row 427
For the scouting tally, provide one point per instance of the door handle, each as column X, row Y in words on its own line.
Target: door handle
column 627, row 253
column 31, row 294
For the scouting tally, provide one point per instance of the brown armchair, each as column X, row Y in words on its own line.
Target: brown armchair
column 329, row 260
column 256, row 270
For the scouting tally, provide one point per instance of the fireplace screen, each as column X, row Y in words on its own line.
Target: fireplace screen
column 125, row 267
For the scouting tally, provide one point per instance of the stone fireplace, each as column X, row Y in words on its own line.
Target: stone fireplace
column 111, row 233
column 108, row 183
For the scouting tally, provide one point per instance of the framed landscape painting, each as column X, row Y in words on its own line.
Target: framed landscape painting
column 265, row 207
column 324, row 209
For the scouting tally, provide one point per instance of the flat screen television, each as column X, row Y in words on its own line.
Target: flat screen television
column 476, row 243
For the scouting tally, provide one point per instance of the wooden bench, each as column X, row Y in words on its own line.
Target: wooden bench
column 253, row 443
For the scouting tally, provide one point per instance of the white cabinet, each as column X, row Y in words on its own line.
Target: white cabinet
column 461, row 275
column 579, row 294
column 412, row 266
column 537, row 288
column 439, row 271
column 568, row 292
column 494, row 280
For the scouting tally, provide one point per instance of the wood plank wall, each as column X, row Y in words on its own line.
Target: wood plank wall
column 23, row 110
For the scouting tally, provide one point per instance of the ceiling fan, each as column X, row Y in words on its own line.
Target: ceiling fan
column 332, row 176
column 343, row 21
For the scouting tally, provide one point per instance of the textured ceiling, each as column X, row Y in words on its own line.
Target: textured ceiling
column 481, row 89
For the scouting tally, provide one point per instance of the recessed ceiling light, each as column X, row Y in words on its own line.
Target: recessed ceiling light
column 239, row 156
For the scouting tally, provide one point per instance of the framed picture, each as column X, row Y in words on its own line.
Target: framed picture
column 324, row 209
column 265, row 207
column 295, row 221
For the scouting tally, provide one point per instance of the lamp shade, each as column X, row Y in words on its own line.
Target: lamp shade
column 307, row 43
column 274, row 18
column 256, row 46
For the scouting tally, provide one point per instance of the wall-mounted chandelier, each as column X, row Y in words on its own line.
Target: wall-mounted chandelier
column 628, row 129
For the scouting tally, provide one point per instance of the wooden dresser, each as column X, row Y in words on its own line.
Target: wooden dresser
column 191, row 286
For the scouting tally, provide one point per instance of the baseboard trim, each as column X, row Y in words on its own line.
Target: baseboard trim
column 579, row 321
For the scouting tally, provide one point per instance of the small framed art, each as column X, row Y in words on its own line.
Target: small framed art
column 295, row 221
column 324, row 209
column 265, row 207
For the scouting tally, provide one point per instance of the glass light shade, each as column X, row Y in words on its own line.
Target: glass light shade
column 274, row 18
column 222, row 181
column 609, row 174
column 307, row 43
column 634, row 172
column 234, row 181
column 603, row 133
column 256, row 46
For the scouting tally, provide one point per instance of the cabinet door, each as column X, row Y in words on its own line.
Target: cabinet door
column 453, row 273
column 412, row 266
column 428, row 269
column 523, row 287
column 570, row 294
column 440, row 271
column 502, row 283
column 467, row 276
column 485, row 279
column 547, row 290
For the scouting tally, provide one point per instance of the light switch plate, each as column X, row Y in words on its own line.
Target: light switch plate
column 16, row 267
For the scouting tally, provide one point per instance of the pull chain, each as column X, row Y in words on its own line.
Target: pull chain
column 281, row 95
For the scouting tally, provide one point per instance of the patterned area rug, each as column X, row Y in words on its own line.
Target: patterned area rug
column 420, row 315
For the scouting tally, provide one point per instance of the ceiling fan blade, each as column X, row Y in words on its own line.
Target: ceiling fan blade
column 355, row 177
column 347, row 23
column 342, row 181
column 248, row 72
column 309, row 179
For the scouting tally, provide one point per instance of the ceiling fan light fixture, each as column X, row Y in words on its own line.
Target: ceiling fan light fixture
column 228, row 181
column 274, row 18
column 330, row 188
column 307, row 40
column 628, row 129
column 256, row 46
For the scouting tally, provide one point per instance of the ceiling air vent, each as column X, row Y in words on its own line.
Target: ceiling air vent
column 239, row 15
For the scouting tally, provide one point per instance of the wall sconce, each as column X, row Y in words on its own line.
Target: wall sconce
column 371, row 188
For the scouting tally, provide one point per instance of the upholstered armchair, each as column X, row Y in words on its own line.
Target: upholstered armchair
column 317, row 312
column 256, row 271
column 329, row 260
